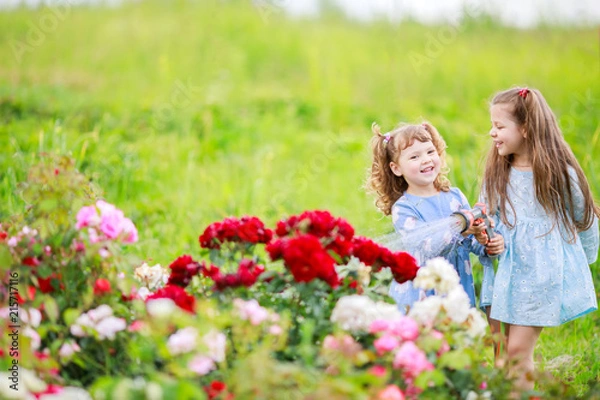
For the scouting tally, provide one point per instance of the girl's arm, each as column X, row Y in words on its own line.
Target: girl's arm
column 424, row 240
column 589, row 238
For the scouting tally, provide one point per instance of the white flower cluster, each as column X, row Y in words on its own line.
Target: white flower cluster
column 213, row 345
column 355, row 313
column 151, row 277
column 100, row 321
column 439, row 274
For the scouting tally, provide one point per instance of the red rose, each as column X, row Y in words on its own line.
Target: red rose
column 366, row 250
column 46, row 284
column 179, row 296
column 183, row 269
column 30, row 295
column 306, row 259
column 31, row 261
column 101, row 286
column 404, row 266
column 216, row 389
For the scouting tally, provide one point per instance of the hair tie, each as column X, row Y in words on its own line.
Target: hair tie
column 386, row 138
column 523, row 92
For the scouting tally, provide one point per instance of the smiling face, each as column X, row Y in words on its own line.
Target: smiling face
column 419, row 164
column 508, row 135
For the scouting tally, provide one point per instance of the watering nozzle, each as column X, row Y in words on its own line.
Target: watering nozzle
column 471, row 217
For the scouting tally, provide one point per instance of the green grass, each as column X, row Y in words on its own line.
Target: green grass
column 186, row 113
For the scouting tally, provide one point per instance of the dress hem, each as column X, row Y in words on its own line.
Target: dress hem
column 581, row 314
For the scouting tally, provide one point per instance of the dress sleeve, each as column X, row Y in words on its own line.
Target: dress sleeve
column 424, row 240
column 589, row 238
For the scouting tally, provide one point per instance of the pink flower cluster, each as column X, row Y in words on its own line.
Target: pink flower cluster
column 111, row 222
column 398, row 336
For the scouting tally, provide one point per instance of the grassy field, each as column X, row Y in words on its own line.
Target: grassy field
column 186, row 113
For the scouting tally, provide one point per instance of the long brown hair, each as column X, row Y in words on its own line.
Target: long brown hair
column 381, row 181
column 551, row 158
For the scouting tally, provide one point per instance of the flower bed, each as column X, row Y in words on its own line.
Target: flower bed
column 298, row 311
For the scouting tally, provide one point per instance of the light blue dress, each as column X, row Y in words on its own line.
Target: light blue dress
column 542, row 280
column 422, row 222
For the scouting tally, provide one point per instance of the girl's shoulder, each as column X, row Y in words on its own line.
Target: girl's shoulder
column 402, row 202
column 457, row 194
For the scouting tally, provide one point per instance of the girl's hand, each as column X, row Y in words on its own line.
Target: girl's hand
column 495, row 246
column 477, row 230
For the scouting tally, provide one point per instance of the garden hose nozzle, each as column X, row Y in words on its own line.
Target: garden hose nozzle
column 475, row 215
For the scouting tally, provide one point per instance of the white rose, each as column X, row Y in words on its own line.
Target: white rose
column 457, row 305
column 108, row 327
column 99, row 313
column 153, row 277
column 477, row 324
column 215, row 341
column 355, row 313
column 437, row 274
column 161, row 308
column 183, row 341
column 426, row 310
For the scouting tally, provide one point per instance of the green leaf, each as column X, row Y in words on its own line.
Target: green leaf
column 47, row 205
column 51, row 308
column 44, row 271
column 70, row 316
column 426, row 378
column 5, row 260
column 455, row 359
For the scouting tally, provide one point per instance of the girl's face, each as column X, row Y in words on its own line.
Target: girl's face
column 420, row 165
column 507, row 134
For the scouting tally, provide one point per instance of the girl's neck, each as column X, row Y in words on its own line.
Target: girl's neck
column 521, row 163
column 422, row 192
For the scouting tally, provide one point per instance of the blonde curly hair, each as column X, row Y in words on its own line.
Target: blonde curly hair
column 381, row 181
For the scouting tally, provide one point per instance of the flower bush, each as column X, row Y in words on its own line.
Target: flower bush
column 298, row 311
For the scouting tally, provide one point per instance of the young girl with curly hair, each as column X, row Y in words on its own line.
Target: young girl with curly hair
column 408, row 178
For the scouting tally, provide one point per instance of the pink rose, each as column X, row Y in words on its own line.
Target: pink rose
column 391, row 392
column 111, row 224
column 251, row 310
column 440, row 336
column 405, row 328
column 412, row 360
column 385, row 344
column 378, row 370
column 87, row 216
column 379, row 325
column 130, row 230
column 201, row 365
column 330, row 343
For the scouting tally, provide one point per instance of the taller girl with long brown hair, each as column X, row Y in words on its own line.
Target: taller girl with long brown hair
column 543, row 206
